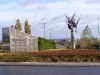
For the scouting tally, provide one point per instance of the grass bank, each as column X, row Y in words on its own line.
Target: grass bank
column 53, row 56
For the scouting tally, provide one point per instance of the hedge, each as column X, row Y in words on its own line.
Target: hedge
column 44, row 44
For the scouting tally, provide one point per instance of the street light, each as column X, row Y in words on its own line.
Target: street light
column 51, row 32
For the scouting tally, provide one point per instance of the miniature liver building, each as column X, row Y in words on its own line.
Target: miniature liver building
column 17, row 41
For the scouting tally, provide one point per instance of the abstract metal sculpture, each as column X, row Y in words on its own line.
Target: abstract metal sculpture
column 72, row 24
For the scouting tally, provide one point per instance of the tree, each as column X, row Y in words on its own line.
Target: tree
column 86, row 34
column 86, row 38
column 18, row 25
column 12, row 26
column 27, row 27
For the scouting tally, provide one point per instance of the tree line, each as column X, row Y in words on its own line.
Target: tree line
column 18, row 26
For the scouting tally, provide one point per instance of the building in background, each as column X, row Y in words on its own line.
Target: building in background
column 16, row 41
column 61, row 43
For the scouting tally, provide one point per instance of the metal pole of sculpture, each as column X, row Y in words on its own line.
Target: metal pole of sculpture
column 99, row 33
column 72, row 24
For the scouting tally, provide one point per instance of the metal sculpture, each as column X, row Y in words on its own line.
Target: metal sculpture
column 72, row 24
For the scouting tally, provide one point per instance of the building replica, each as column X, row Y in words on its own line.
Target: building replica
column 17, row 41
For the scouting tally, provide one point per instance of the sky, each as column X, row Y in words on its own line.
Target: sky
column 51, row 12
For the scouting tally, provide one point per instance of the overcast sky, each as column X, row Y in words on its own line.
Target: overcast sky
column 51, row 12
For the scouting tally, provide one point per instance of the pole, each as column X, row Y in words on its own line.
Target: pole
column 73, row 38
column 50, row 34
column 44, row 30
column 76, row 37
column 99, row 33
column 44, row 34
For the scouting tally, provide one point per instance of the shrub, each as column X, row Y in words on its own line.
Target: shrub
column 8, row 57
column 54, row 59
column 48, row 59
column 44, row 44
column 93, row 59
column 64, row 59
column 1, row 47
column 86, row 59
column 76, row 59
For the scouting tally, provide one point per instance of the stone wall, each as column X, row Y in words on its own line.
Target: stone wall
column 17, row 41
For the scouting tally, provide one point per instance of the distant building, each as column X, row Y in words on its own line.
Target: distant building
column 17, row 41
column 0, row 42
column 61, row 43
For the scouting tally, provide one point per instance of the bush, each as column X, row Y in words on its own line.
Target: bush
column 86, row 59
column 9, row 57
column 44, row 44
column 55, row 59
column 93, row 59
column 1, row 47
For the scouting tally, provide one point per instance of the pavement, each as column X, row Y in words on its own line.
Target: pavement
column 53, row 64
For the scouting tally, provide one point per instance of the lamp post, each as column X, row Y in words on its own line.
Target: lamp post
column 51, row 32
column 44, row 29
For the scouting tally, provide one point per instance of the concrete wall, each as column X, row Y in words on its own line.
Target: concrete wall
column 17, row 41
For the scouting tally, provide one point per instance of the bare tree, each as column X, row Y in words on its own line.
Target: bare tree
column 72, row 24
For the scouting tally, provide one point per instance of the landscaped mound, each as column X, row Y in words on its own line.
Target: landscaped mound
column 53, row 56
